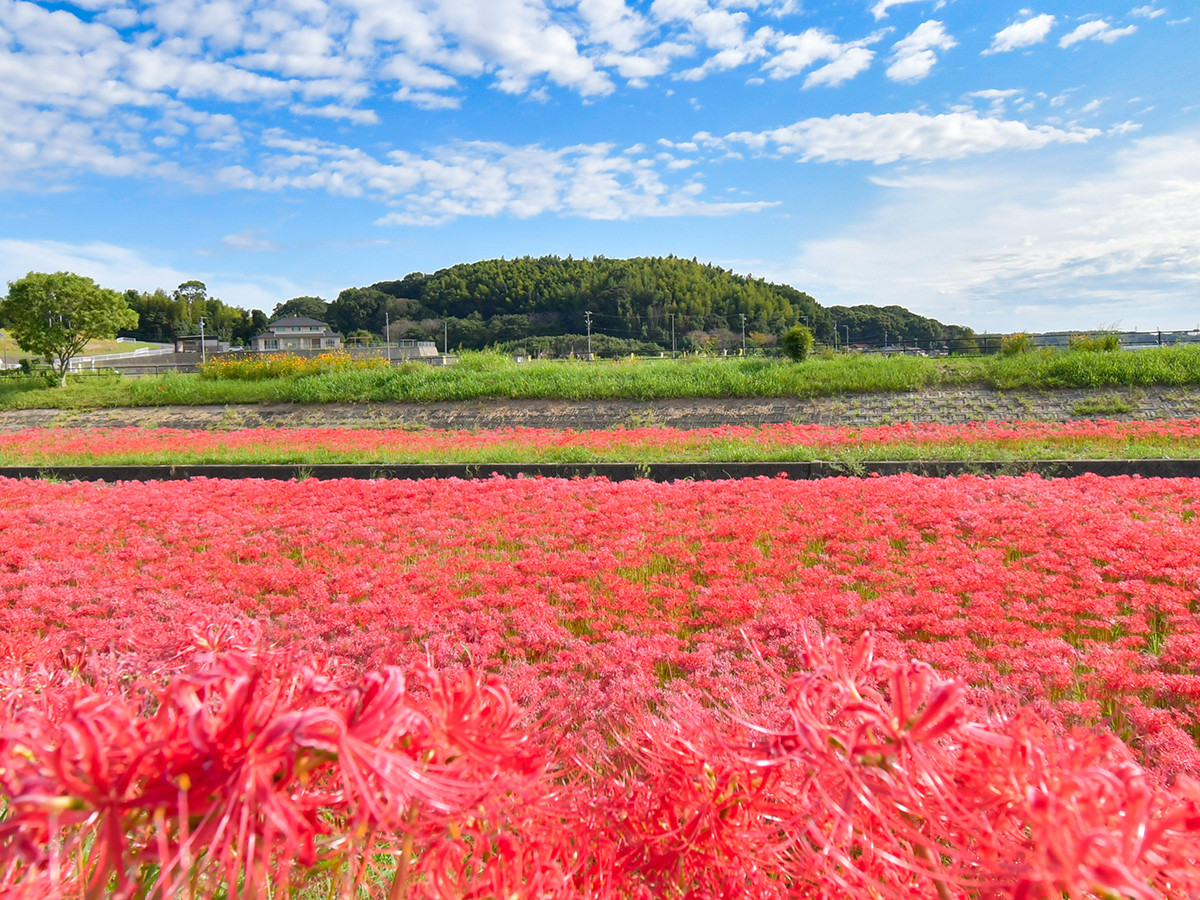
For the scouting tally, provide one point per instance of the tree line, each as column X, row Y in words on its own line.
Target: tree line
column 543, row 304
column 162, row 317
column 637, row 305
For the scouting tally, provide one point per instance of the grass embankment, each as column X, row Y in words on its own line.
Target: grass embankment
column 770, row 443
column 12, row 351
column 480, row 376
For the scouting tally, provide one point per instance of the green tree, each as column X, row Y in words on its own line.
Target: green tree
column 56, row 315
column 797, row 343
column 303, row 307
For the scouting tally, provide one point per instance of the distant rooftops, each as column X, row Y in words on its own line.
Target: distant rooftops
column 294, row 321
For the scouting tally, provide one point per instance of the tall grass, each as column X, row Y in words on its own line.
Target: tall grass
column 493, row 376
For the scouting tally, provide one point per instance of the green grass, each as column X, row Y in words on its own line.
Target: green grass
column 10, row 350
column 688, row 448
column 480, row 376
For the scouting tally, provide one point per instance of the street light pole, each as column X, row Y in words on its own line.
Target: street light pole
column 743, row 315
column 387, row 335
column 672, row 335
column 588, row 318
column 203, row 354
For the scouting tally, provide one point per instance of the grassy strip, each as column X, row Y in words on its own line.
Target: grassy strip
column 492, row 376
column 714, row 450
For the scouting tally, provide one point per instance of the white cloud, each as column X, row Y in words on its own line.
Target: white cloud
column 1097, row 30
column 106, row 264
column 845, row 67
column 1022, row 34
column 1005, row 248
column 864, row 137
column 796, row 52
column 250, row 241
column 879, row 10
column 122, row 268
column 335, row 111
column 913, row 57
column 1147, row 12
column 483, row 179
column 993, row 95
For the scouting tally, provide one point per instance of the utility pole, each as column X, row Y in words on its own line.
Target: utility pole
column 672, row 335
column 445, row 338
column 387, row 335
column 588, row 318
column 203, row 355
column 743, row 315
column 847, row 327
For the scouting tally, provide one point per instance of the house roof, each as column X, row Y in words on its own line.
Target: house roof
column 297, row 320
column 272, row 335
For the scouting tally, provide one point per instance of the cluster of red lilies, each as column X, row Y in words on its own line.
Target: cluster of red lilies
column 532, row 687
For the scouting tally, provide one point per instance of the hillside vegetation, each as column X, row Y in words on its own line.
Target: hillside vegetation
column 640, row 305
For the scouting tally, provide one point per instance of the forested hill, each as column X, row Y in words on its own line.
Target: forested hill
column 500, row 300
column 636, row 305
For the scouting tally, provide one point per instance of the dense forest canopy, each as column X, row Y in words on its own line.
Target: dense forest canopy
column 163, row 317
column 635, row 300
column 541, row 303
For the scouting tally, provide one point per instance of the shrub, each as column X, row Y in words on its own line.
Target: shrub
column 1106, row 342
column 1013, row 344
column 259, row 366
column 797, row 343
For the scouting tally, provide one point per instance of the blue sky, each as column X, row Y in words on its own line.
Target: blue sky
column 990, row 164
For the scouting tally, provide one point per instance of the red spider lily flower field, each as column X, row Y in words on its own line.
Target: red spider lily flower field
column 67, row 446
column 864, row 688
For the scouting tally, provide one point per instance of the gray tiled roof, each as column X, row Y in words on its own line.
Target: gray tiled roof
column 298, row 320
column 291, row 335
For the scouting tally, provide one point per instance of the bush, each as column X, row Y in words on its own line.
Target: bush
column 797, row 343
column 260, row 366
column 1016, row 343
column 1107, row 342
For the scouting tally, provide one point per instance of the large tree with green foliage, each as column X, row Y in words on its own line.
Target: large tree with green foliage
column 303, row 307
column 164, row 317
column 55, row 315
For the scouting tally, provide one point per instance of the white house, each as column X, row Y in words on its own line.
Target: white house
column 297, row 333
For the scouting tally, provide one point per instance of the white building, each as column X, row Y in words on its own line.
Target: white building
column 297, row 333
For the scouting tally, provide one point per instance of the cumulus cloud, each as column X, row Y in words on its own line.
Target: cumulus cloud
column 796, row 52
column 482, row 179
column 1147, row 12
column 725, row 32
column 1026, row 33
column 1097, row 30
column 886, row 138
column 1007, row 249
column 913, row 57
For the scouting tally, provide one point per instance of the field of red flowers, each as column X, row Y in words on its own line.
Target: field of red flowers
column 535, row 687
column 66, row 446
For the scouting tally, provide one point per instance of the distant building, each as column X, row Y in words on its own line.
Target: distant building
column 190, row 343
column 297, row 333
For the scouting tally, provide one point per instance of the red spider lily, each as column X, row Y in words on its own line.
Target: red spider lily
column 240, row 765
column 42, row 446
column 1029, row 755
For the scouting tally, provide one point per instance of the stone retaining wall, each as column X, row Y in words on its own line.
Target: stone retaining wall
column 947, row 406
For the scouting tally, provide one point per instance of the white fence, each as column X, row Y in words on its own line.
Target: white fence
column 79, row 363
